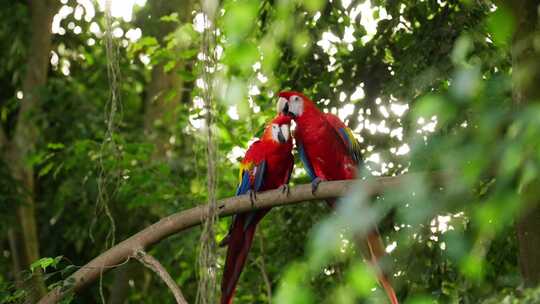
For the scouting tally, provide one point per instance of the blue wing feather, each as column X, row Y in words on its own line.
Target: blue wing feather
column 244, row 184
column 258, row 183
column 259, row 175
column 305, row 161
column 347, row 137
column 351, row 145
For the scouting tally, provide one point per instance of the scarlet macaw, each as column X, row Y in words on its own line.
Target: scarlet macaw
column 329, row 151
column 268, row 164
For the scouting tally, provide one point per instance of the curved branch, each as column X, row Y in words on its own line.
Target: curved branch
column 154, row 265
column 192, row 217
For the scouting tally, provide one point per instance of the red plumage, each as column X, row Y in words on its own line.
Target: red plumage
column 329, row 152
column 267, row 165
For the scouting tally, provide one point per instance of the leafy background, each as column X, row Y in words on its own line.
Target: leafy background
column 425, row 85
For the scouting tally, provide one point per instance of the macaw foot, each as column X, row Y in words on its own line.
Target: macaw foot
column 252, row 197
column 315, row 184
column 285, row 189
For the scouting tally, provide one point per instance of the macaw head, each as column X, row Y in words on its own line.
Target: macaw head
column 278, row 129
column 294, row 104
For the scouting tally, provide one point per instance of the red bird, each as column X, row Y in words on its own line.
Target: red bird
column 267, row 165
column 329, row 151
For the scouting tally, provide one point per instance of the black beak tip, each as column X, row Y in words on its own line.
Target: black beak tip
column 286, row 109
column 287, row 112
column 281, row 138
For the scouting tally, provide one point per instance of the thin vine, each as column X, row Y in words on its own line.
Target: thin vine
column 208, row 257
column 109, row 145
column 108, row 178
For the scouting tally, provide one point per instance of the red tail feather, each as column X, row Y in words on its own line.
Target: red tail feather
column 376, row 251
column 239, row 244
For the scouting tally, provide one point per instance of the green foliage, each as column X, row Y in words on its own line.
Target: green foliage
column 425, row 85
column 44, row 263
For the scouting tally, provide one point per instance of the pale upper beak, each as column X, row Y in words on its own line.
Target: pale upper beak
column 282, row 105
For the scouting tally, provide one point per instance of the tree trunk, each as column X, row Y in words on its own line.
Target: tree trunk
column 163, row 96
column 165, row 89
column 15, row 256
column 526, row 77
column 25, row 136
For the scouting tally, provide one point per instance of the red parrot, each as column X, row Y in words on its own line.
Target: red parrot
column 329, row 151
column 268, row 164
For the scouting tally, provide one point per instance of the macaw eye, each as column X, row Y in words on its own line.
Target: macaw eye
column 296, row 105
column 295, row 98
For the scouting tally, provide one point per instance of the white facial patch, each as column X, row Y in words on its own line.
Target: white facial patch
column 296, row 105
column 285, row 131
column 281, row 104
column 275, row 132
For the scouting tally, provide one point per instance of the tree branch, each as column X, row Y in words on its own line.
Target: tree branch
column 192, row 217
column 152, row 263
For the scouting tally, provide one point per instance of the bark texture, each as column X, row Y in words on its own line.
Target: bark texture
column 152, row 263
column 526, row 77
column 25, row 137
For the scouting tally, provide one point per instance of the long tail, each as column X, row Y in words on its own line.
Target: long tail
column 376, row 252
column 239, row 242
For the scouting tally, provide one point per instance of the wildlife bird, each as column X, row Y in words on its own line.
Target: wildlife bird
column 329, row 151
column 268, row 164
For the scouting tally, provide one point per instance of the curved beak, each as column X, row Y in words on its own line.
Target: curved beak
column 283, row 107
column 281, row 104
column 287, row 112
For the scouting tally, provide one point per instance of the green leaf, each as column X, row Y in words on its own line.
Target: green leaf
column 169, row 66
column 462, row 48
column 361, row 279
column 43, row 171
column 170, row 18
column 501, row 24
column 529, row 174
column 433, row 105
column 293, row 289
column 186, row 75
column 189, row 54
column 243, row 56
column 302, row 43
column 240, row 18
column 55, row 146
column 43, row 263
column 183, row 37
column 473, row 267
column 171, row 94
column 314, row 5
column 144, row 43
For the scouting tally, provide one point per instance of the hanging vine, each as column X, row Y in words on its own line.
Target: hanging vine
column 109, row 145
column 207, row 256
column 109, row 179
